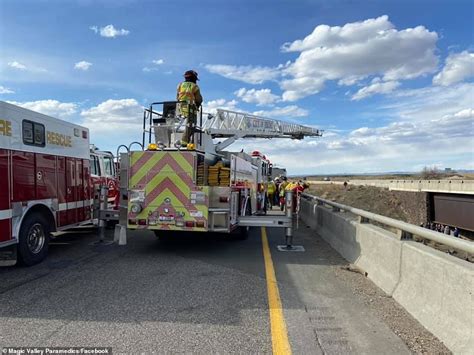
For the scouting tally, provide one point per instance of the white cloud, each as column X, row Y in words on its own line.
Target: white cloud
column 17, row 65
column 114, row 116
column 109, row 31
column 458, row 67
column 376, row 87
column 213, row 105
column 424, row 127
column 248, row 74
column 348, row 54
column 423, row 104
column 155, row 62
column 355, row 51
column 50, row 107
column 286, row 111
column 259, row 97
column 82, row 65
column 5, row 90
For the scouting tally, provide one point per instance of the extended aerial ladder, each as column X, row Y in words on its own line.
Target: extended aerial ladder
column 168, row 127
column 163, row 162
column 234, row 125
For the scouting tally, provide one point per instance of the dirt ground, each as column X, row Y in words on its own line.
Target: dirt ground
column 410, row 207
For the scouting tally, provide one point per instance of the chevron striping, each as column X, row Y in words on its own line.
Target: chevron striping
column 140, row 166
column 182, row 160
column 160, row 165
column 152, row 198
column 190, row 158
column 154, row 185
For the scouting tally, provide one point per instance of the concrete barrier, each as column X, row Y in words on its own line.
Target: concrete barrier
column 435, row 287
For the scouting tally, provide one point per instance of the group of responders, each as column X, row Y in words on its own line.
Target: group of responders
column 55, row 350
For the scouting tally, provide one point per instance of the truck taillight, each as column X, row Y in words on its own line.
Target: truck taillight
column 200, row 224
column 132, row 221
column 189, row 223
column 142, row 222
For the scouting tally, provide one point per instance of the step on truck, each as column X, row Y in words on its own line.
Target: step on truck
column 199, row 187
column 48, row 181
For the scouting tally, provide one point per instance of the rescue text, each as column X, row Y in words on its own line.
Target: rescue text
column 59, row 139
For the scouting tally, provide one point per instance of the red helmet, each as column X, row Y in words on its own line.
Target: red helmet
column 191, row 74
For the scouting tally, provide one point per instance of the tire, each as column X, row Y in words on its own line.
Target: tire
column 162, row 236
column 34, row 239
column 242, row 233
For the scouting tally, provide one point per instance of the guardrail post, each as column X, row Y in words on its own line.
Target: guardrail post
column 401, row 234
column 363, row 219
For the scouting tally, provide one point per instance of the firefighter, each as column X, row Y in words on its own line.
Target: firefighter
column 188, row 92
column 282, row 188
column 271, row 189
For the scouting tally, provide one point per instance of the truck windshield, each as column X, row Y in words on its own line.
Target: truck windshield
column 108, row 166
column 95, row 169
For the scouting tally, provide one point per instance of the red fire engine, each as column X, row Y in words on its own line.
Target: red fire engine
column 45, row 180
column 104, row 173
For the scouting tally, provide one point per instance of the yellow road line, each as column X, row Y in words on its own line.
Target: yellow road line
column 280, row 343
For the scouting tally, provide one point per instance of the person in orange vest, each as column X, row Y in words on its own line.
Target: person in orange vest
column 189, row 94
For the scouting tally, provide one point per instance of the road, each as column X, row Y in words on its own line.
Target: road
column 196, row 294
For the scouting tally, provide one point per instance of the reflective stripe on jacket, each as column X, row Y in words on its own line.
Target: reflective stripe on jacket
column 189, row 92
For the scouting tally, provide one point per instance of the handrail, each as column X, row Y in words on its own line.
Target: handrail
column 460, row 244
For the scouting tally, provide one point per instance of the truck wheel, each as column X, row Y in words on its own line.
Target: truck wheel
column 162, row 236
column 243, row 233
column 34, row 239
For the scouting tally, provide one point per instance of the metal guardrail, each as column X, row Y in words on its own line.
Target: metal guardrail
column 451, row 241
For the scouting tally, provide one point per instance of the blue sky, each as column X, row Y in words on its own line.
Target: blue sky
column 390, row 82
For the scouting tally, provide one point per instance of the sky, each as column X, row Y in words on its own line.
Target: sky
column 391, row 83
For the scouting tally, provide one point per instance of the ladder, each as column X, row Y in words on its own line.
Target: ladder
column 226, row 123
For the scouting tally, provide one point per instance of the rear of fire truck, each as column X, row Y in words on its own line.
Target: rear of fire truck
column 183, row 190
column 200, row 187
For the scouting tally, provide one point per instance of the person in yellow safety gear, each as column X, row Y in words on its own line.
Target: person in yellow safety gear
column 189, row 93
column 282, row 187
column 271, row 189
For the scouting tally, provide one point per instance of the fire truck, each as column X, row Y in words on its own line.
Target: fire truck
column 200, row 187
column 47, row 177
column 104, row 173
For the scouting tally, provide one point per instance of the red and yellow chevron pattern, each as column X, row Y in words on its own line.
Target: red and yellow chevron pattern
column 172, row 199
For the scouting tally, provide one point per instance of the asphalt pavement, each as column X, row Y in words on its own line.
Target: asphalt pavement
column 198, row 293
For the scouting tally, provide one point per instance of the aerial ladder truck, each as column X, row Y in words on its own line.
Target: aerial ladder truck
column 202, row 187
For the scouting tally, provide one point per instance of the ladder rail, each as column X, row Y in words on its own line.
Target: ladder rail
column 237, row 121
